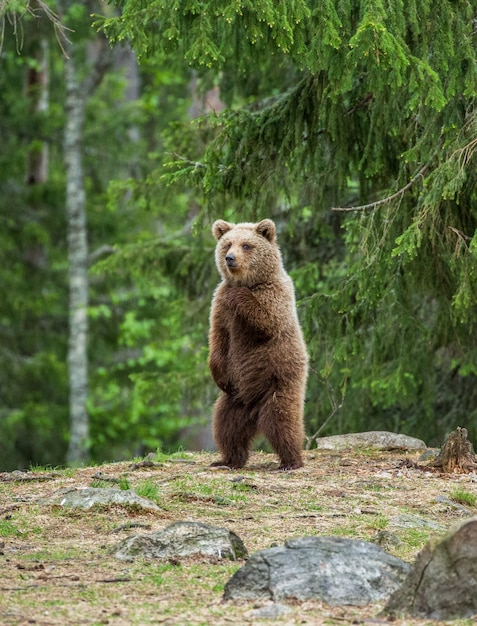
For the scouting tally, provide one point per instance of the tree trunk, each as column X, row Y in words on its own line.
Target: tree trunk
column 77, row 95
column 78, row 449
column 36, row 88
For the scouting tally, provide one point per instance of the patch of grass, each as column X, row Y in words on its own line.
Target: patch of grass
column 43, row 468
column 8, row 529
column 89, row 594
column 461, row 496
column 50, row 555
column 158, row 574
column 148, row 489
column 345, row 531
column 123, row 483
column 67, row 472
column 103, row 483
column 380, row 522
column 415, row 537
column 218, row 490
column 66, row 513
column 20, row 525
column 213, row 576
column 312, row 506
column 375, row 486
column 163, row 457
column 184, row 581
column 98, row 483
column 243, row 487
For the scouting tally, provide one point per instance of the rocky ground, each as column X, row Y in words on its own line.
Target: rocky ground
column 57, row 562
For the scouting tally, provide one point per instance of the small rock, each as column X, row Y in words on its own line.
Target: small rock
column 428, row 455
column 387, row 540
column 407, row 520
column 454, row 505
column 271, row 611
column 183, row 539
column 89, row 497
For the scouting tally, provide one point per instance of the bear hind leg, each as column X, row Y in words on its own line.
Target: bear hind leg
column 281, row 421
column 234, row 429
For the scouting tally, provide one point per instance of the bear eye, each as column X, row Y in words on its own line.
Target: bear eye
column 245, row 247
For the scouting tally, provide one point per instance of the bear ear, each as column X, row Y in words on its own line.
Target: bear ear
column 221, row 227
column 267, row 229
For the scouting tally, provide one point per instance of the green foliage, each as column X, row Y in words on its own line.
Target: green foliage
column 365, row 101
column 202, row 31
column 128, row 337
column 159, row 373
column 356, row 103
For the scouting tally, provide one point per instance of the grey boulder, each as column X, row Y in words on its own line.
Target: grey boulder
column 442, row 585
column 336, row 570
column 379, row 439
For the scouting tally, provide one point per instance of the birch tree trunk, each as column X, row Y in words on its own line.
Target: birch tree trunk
column 77, row 269
column 77, row 95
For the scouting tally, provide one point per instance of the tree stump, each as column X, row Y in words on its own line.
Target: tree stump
column 456, row 454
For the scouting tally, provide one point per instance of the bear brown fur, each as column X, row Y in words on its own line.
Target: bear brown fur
column 257, row 355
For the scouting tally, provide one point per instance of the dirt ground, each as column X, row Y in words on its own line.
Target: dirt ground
column 57, row 567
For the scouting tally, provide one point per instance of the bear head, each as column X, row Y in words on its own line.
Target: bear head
column 247, row 254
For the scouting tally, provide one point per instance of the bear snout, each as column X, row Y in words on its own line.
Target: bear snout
column 231, row 260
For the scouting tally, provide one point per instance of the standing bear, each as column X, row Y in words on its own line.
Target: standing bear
column 257, row 354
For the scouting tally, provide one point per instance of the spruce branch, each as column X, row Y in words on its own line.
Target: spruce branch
column 394, row 196
column 14, row 13
column 462, row 236
column 196, row 164
column 465, row 154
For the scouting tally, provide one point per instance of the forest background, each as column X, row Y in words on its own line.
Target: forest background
column 127, row 128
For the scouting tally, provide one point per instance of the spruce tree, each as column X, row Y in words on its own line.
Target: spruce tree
column 354, row 124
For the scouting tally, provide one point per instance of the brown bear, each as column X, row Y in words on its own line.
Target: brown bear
column 257, row 355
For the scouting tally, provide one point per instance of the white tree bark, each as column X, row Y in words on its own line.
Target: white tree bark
column 76, row 97
column 78, row 269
